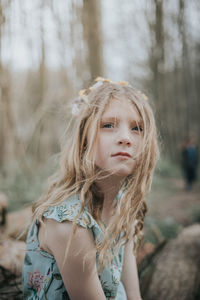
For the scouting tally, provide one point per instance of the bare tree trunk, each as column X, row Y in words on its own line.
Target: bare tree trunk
column 38, row 142
column 9, row 143
column 159, row 82
column 185, row 64
column 197, row 88
column 42, row 84
column 2, row 131
column 91, row 20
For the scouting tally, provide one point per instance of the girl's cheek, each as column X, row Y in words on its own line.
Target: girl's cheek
column 137, row 145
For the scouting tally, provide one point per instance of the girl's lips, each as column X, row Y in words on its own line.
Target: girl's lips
column 125, row 154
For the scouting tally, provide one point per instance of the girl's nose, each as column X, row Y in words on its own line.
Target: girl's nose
column 124, row 138
column 124, row 141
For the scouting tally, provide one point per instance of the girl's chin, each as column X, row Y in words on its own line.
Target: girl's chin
column 121, row 173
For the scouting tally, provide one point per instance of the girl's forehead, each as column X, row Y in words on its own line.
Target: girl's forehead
column 117, row 107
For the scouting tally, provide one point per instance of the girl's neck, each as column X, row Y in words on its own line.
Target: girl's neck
column 109, row 187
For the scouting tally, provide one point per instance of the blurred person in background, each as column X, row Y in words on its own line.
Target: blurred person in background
column 189, row 162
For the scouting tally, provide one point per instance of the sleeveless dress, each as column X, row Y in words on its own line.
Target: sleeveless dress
column 40, row 274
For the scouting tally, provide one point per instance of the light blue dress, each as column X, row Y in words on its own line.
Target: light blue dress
column 41, row 276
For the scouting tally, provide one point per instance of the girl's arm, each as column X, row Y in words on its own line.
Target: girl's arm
column 129, row 273
column 78, row 270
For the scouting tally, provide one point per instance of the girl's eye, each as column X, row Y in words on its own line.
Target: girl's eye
column 108, row 125
column 137, row 128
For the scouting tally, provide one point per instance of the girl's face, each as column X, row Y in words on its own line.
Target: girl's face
column 118, row 139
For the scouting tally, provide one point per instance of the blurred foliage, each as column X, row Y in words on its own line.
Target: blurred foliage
column 24, row 185
column 195, row 213
column 167, row 168
column 157, row 229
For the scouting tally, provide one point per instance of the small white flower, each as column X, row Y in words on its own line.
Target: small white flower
column 97, row 84
column 75, row 109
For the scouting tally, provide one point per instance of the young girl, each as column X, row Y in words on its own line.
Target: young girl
column 88, row 226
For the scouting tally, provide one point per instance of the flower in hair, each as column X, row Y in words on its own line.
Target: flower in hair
column 83, row 95
column 81, row 92
column 144, row 96
column 76, row 107
column 101, row 79
column 97, row 84
column 108, row 80
column 122, row 83
column 78, row 102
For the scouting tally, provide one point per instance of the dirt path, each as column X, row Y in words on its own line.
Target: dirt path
column 174, row 201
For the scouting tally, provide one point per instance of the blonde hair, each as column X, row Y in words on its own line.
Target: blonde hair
column 78, row 173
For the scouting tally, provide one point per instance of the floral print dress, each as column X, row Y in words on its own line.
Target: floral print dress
column 41, row 276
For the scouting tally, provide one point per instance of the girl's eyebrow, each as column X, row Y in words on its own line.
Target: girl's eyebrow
column 108, row 119
column 114, row 119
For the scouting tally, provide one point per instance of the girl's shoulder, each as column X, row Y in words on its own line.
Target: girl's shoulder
column 70, row 210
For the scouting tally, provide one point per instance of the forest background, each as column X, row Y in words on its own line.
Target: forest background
column 50, row 49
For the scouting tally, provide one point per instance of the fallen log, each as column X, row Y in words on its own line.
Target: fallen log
column 17, row 223
column 12, row 253
column 172, row 271
column 10, row 285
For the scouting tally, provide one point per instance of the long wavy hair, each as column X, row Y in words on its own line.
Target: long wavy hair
column 78, row 173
